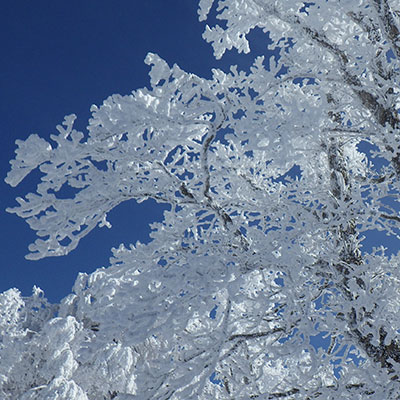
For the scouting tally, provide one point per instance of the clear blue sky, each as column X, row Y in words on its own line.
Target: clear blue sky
column 60, row 58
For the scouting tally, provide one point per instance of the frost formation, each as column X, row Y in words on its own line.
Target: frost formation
column 251, row 267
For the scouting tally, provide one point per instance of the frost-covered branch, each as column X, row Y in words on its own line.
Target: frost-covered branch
column 273, row 180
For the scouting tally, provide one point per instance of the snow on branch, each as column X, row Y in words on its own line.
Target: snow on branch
column 259, row 281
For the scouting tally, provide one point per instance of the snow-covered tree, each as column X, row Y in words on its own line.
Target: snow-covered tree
column 255, row 285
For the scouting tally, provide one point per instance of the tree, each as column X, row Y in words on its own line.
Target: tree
column 273, row 178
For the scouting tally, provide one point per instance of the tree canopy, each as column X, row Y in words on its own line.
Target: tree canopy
column 273, row 178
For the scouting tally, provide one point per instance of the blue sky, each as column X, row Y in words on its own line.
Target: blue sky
column 60, row 58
